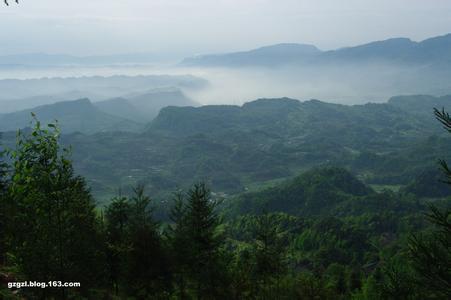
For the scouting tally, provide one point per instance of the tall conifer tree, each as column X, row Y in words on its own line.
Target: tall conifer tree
column 148, row 274
column 117, row 217
column 200, row 256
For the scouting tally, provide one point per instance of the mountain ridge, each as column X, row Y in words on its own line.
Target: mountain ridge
column 401, row 50
column 73, row 116
column 266, row 55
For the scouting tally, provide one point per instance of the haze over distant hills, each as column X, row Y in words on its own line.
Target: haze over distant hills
column 266, row 56
column 354, row 75
column 109, row 86
column 371, row 72
column 25, row 94
column 44, row 59
column 396, row 50
column 73, row 116
column 117, row 114
column 145, row 107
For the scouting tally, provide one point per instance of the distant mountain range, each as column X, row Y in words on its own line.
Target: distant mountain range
column 73, row 116
column 401, row 50
column 265, row 56
column 95, row 87
column 397, row 50
column 117, row 114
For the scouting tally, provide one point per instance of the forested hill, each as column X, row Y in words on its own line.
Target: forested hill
column 316, row 192
column 235, row 148
column 239, row 148
column 117, row 114
column 288, row 117
column 77, row 115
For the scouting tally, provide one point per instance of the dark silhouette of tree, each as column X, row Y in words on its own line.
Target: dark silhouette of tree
column 117, row 218
column 205, row 243
column 178, row 240
column 148, row 272
column 200, row 268
column 136, row 257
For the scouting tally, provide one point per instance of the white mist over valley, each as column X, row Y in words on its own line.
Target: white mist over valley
column 381, row 71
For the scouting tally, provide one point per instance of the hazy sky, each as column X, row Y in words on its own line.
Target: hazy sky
column 185, row 27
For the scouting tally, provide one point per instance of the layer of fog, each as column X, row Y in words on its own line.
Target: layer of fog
column 337, row 85
column 343, row 84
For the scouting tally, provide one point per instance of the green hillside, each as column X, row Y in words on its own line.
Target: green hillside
column 316, row 192
column 74, row 116
column 237, row 148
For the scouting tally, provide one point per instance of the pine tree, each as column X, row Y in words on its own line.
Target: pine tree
column 397, row 282
column 117, row 218
column 55, row 226
column 431, row 255
column 199, row 260
column 178, row 240
column 204, row 243
column 148, row 274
